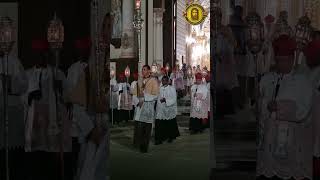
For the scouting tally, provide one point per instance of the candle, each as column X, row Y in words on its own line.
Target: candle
column 138, row 4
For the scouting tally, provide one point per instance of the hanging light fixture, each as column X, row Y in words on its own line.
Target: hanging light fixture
column 7, row 34
column 55, row 34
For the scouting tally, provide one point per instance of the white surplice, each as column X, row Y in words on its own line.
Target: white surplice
column 48, row 102
column 167, row 110
column 125, row 98
column 81, row 121
column 286, row 136
column 199, row 101
column 15, row 108
column 114, row 95
column 314, row 76
column 135, row 99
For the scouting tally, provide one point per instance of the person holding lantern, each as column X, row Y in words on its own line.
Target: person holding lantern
column 166, row 127
column 133, row 87
column 226, row 76
column 177, row 80
column 312, row 54
column 114, row 95
column 12, row 73
column 76, row 97
column 43, row 124
column 145, row 111
column 199, row 105
column 285, row 134
column 125, row 98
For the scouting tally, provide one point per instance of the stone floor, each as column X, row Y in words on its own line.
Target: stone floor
column 188, row 157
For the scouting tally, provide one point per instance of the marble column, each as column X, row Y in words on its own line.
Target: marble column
column 157, row 35
column 127, row 40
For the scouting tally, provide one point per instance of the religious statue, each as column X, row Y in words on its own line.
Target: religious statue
column 117, row 19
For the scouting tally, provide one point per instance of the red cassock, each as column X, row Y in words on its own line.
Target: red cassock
column 284, row 46
column 312, row 53
column 269, row 19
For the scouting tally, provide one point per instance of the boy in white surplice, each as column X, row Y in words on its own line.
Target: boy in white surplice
column 125, row 99
column 166, row 127
column 199, row 105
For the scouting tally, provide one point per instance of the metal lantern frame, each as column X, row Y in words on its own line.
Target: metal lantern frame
column 7, row 34
column 55, row 33
column 7, row 40
column 167, row 68
column 282, row 26
column 303, row 31
column 154, row 68
column 255, row 32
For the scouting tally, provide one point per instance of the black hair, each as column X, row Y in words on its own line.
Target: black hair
column 147, row 66
column 165, row 78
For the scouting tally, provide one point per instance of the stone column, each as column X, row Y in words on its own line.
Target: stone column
column 157, row 35
column 127, row 40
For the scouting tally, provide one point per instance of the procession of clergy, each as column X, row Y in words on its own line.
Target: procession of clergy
column 286, row 76
column 153, row 106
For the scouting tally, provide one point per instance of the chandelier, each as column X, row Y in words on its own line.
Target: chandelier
column 7, row 34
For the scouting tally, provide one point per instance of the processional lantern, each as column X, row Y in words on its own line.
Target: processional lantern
column 189, row 71
column 55, row 34
column 255, row 32
column 127, row 72
column 154, row 68
column 303, row 31
column 282, row 26
column 7, row 34
column 112, row 72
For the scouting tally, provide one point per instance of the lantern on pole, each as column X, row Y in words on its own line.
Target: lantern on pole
column 255, row 33
column 55, row 33
column 55, row 37
column 154, row 68
column 167, row 69
column 127, row 73
column 112, row 72
column 255, row 40
column 282, row 26
column 7, row 40
column 303, row 31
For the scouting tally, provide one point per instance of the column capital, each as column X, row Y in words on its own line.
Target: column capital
column 158, row 12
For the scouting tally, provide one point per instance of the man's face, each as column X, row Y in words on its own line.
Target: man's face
column 145, row 72
column 165, row 81
column 284, row 64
